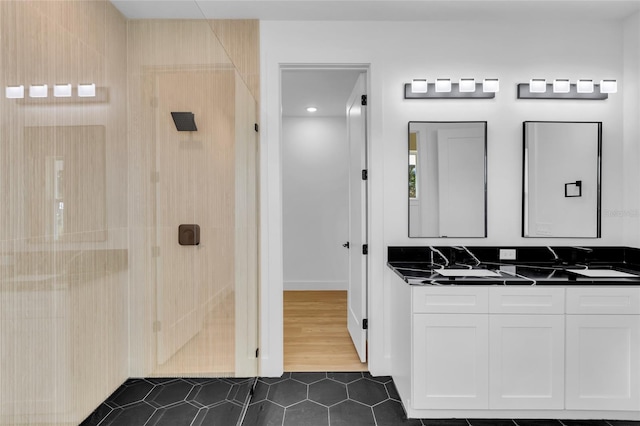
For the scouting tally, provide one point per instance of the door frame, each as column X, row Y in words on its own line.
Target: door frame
column 271, row 241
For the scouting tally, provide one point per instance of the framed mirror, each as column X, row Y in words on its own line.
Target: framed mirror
column 65, row 182
column 561, row 179
column 448, row 179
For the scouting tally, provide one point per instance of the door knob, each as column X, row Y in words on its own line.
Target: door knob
column 346, row 244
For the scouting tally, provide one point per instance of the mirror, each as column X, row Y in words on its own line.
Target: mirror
column 561, row 179
column 447, row 179
column 65, row 183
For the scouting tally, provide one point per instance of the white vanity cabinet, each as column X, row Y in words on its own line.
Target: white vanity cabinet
column 513, row 351
column 603, row 349
column 488, row 347
column 450, row 348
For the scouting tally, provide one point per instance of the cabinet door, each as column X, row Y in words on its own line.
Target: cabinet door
column 526, row 366
column 603, row 362
column 450, row 361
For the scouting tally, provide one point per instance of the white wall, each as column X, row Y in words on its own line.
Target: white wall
column 315, row 181
column 513, row 51
column 630, row 215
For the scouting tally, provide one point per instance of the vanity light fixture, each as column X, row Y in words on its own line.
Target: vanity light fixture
column 561, row 85
column 419, row 85
column 538, row 85
column 491, row 85
column 38, row 91
column 443, row 88
column 62, row 90
column 311, row 109
column 608, row 86
column 584, row 86
column 87, row 90
column 467, row 85
column 562, row 88
column 14, row 92
column 443, row 85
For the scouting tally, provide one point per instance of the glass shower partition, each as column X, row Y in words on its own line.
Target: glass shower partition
column 196, row 217
column 96, row 179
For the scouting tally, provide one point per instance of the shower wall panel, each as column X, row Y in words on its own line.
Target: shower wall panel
column 63, row 216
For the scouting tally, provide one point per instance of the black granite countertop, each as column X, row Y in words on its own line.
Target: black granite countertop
column 532, row 266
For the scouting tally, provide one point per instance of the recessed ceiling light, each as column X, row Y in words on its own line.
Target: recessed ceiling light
column 312, row 109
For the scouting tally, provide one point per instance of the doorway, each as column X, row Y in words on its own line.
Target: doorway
column 324, row 218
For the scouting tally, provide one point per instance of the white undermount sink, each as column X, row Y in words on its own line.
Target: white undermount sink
column 602, row 273
column 465, row 272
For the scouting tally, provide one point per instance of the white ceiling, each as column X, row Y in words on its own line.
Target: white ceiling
column 327, row 90
column 379, row 10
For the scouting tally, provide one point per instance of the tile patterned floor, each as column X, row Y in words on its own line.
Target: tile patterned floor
column 295, row 399
column 174, row 402
column 323, row 399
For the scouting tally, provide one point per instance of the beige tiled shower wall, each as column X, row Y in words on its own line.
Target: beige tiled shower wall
column 63, row 215
column 193, row 308
column 240, row 39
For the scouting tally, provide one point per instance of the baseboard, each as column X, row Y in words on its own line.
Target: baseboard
column 315, row 285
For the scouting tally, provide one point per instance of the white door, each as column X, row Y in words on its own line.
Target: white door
column 357, row 286
column 461, row 180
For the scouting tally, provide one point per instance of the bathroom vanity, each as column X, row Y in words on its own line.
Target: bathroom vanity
column 554, row 334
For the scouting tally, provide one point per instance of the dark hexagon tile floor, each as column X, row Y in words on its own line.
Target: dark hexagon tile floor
column 174, row 402
column 295, row 399
column 326, row 399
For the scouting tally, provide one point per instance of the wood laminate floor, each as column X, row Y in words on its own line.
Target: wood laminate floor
column 315, row 333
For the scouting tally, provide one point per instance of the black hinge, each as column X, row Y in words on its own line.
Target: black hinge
column 365, row 249
column 365, row 174
column 363, row 100
column 365, row 324
column 257, row 352
column 256, row 127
